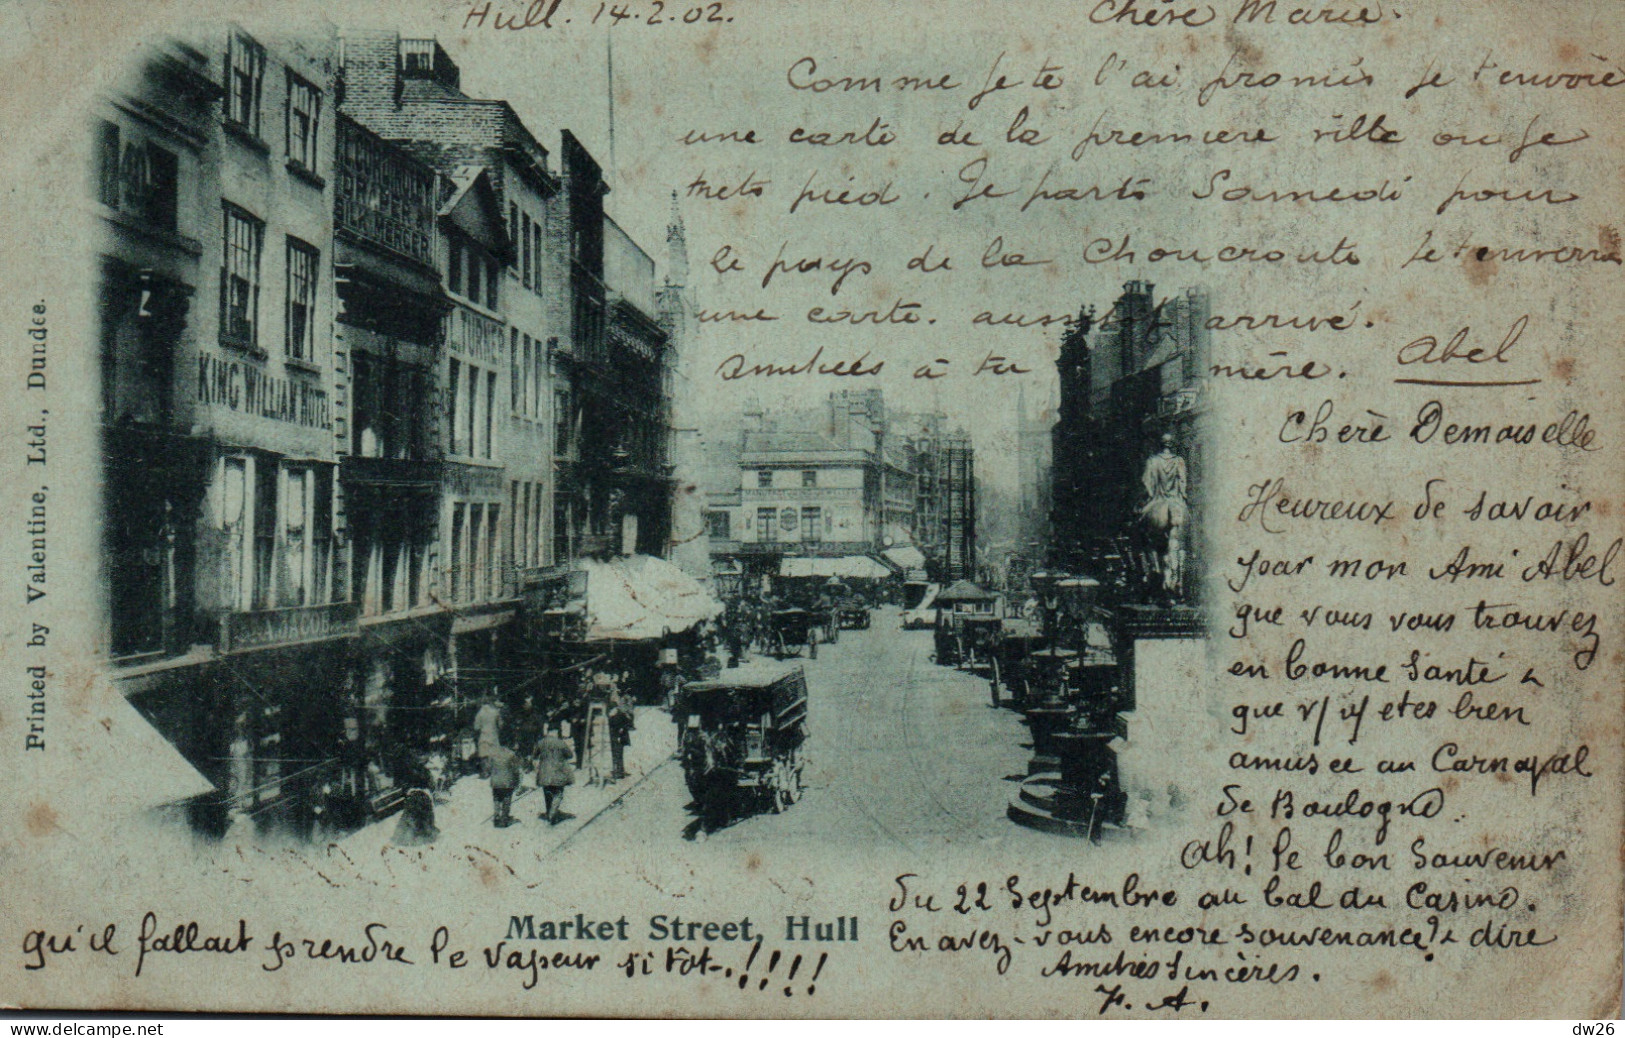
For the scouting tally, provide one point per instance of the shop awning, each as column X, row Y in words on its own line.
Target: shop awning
column 641, row 597
column 906, row 557
column 965, row 591
column 125, row 743
column 854, row 566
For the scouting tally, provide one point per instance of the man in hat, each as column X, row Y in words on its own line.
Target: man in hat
column 619, row 716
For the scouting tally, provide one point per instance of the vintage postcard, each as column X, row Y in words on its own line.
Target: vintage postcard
column 1041, row 508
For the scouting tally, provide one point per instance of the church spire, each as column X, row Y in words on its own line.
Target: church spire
column 676, row 247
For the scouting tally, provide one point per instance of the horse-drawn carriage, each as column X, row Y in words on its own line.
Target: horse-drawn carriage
column 788, row 630
column 1007, row 663
column 740, row 740
column 852, row 614
column 967, row 624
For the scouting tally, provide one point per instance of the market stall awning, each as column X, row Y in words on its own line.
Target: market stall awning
column 852, row 566
column 640, row 597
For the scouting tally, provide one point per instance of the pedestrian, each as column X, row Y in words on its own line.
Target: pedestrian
column 620, row 733
column 416, row 825
column 555, row 769
column 733, row 635
column 505, row 768
column 487, row 732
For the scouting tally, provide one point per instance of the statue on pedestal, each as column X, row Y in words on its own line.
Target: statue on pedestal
column 1163, row 518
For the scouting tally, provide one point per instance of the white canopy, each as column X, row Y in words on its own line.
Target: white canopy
column 905, row 557
column 125, row 744
column 640, row 596
column 856, row 566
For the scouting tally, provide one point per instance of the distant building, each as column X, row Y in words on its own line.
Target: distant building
column 957, row 482
column 1034, row 448
column 851, row 480
column 1134, row 375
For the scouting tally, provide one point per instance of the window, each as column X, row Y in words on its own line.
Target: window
column 812, row 523
column 536, row 525
column 303, row 121
column 265, row 535
column 157, row 188
column 320, row 510
column 514, row 403
column 454, row 267
column 536, row 263
column 513, row 222
column 245, row 82
column 809, row 478
column 240, row 278
column 475, row 268
column 490, row 414
column 491, row 281
column 716, row 525
column 562, row 529
column 416, row 550
column 301, row 318
column 563, row 423
column 477, row 587
column 455, row 397
column 766, row 524
column 523, row 240
column 295, row 541
column 139, row 178
column 107, row 163
column 459, row 530
column 764, row 478
column 234, row 524
column 538, row 375
column 519, row 528
column 521, row 380
column 494, row 579
column 306, row 531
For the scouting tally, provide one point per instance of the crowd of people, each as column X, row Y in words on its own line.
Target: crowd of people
column 764, row 621
column 587, row 725
column 587, row 728
column 599, row 712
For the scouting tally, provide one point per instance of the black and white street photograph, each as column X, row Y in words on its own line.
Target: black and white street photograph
column 419, row 523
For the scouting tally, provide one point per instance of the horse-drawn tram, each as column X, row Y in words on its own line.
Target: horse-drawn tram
column 740, row 739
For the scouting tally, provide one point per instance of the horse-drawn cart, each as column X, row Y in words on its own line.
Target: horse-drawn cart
column 1007, row 677
column 788, row 630
column 967, row 623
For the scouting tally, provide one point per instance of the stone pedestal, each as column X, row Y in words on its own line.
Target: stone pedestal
column 1078, row 798
column 1044, row 723
column 1163, row 653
